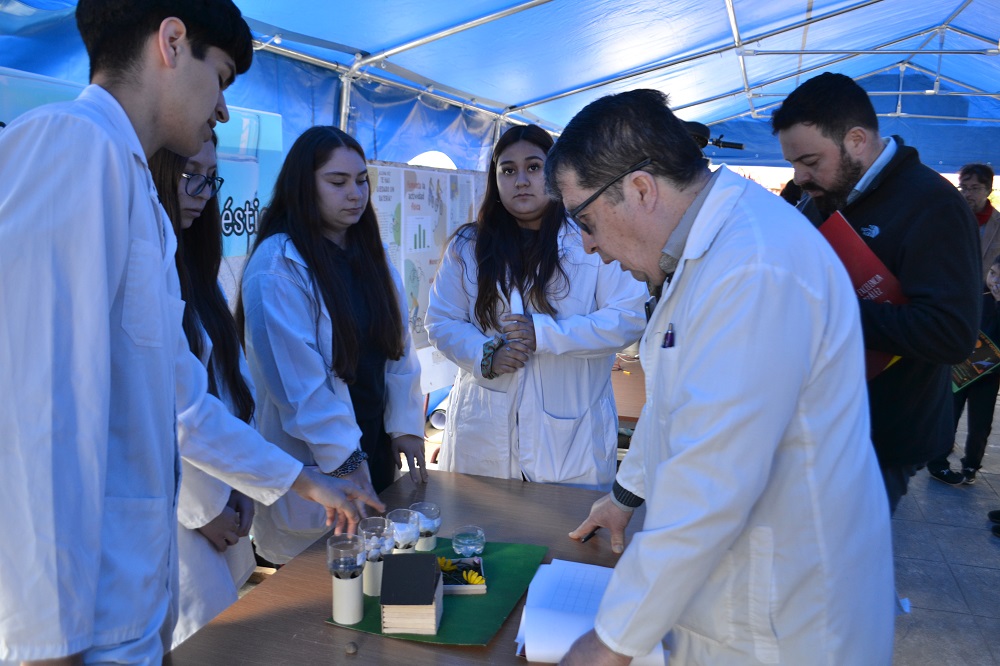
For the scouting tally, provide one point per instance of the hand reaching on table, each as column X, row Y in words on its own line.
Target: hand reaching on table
column 411, row 449
column 605, row 513
column 344, row 499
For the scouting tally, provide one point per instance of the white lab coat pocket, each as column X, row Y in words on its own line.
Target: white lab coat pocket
column 569, row 446
column 761, row 584
column 135, row 571
column 478, row 436
column 710, row 612
column 141, row 308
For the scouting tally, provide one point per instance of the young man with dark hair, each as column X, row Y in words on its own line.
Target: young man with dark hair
column 975, row 182
column 918, row 225
column 766, row 537
column 99, row 378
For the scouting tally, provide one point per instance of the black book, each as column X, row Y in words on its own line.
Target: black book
column 411, row 594
column 409, row 580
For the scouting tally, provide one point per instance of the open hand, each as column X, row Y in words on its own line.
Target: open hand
column 410, row 448
column 344, row 500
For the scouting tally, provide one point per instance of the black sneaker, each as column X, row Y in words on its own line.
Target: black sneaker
column 970, row 475
column 996, row 530
column 994, row 516
column 947, row 476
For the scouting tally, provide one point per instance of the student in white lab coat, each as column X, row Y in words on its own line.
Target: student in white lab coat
column 533, row 322
column 213, row 519
column 98, row 376
column 338, row 384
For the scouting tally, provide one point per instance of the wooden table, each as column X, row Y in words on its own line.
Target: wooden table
column 630, row 391
column 281, row 621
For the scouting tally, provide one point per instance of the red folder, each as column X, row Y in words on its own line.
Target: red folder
column 871, row 279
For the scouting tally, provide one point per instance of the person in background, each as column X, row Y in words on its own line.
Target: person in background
column 98, row 374
column 533, row 324
column 915, row 222
column 324, row 318
column 975, row 182
column 213, row 520
column 766, row 536
column 979, row 398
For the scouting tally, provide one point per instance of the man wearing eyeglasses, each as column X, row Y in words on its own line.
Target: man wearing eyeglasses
column 766, row 536
column 975, row 182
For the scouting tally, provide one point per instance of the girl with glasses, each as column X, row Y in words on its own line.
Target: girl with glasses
column 213, row 519
column 338, row 383
column 533, row 322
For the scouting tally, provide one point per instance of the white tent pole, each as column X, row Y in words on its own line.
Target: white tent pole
column 853, row 52
column 731, row 10
column 894, row 93
column 953, row 82
column 697, row 56
column 940, row 32
column 388, row 53
column 783, row 95
column 346, row 83
column 342, row 69
column 899, row 98
column 971, row 35
column 820, row 66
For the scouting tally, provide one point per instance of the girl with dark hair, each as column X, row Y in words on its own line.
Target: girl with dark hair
column 533, row 322
column 338, row 384
column 214, row 558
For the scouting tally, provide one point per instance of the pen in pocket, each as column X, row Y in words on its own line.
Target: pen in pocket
column 668, row 337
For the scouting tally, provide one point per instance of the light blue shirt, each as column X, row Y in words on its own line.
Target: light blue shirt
column 888, row 151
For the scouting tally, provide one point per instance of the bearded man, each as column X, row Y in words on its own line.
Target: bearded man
column 917, row 223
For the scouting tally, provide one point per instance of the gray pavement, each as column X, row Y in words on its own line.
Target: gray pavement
column 948, row 566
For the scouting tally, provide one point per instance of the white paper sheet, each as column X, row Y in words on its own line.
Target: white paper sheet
column 562, row 603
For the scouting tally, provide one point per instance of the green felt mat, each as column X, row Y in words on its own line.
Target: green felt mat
column 471, row 619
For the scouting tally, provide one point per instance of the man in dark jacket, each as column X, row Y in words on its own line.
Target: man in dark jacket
column 920, row 227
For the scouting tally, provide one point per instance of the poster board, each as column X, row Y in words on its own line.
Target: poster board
column 419, row 208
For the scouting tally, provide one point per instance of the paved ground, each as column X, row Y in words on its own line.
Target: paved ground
column 948, row 566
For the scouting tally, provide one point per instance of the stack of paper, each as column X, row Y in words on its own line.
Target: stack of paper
column 562, row 604
column 412, row 594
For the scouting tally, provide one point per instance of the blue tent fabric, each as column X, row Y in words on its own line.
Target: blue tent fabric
column 930, row 66
column 304, row 95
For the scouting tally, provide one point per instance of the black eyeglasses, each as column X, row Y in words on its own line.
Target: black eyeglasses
column 195, row 184
column 593, row 197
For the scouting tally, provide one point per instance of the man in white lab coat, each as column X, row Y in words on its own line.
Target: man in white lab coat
column 97, row 371
column 766, row 538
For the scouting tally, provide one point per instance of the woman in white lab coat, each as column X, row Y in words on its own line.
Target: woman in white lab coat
column 338, row 384
column 533, row 322
column 214, row 555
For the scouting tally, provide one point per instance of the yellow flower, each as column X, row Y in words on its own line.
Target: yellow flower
column 473, row 578
column 446, row 564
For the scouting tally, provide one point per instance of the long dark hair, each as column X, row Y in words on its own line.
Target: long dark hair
column 294, row 210
column 199, row 255
column 503, row 262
